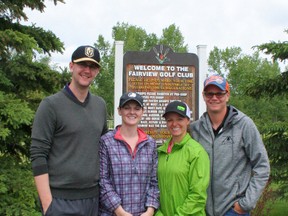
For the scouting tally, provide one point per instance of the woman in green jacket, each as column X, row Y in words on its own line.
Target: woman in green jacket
column 183, row 167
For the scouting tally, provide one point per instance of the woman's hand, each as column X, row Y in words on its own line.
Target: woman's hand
column 149, row 212
column 119, row 211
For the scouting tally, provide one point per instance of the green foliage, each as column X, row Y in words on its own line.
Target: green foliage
column 24, row 80
column 222, row 61
column 25, row 39
column 137, row 39
column 15, row 119
column 270, row 86
column 23, row 86
column 276, row 139
column 173, row 38
column 19, row 38
column 17, row 189
column 104, row 82
column 275, row 134
column 14, row 9
column 134, row 37
column 18, row 41
column 279, row 50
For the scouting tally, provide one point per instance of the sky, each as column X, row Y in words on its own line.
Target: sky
column 221, row 23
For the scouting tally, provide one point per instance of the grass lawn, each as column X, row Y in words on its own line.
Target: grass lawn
column 280, row 208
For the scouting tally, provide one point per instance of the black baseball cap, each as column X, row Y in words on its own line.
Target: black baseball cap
column 178, row 107
column 129, row 96
column 86, row 53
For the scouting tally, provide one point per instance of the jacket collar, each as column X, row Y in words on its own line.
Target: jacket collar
column 233, row 116
column 176, row 146
column 141, row 134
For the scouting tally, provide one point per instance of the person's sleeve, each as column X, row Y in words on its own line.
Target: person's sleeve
column 199, row 176
column 42, row 137
column 153, row 191
column 257, row 154
column 109, row 199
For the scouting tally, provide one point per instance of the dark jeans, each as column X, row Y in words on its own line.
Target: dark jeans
column 82, row 207
column 231, row 212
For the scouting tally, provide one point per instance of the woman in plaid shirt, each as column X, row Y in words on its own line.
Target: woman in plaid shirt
column 128, row 165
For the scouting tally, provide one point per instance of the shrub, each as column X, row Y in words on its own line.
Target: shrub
column 18, row 194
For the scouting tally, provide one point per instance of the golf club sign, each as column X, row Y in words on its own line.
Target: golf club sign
column 161, row 76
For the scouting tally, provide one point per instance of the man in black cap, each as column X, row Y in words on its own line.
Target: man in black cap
column 65, row 141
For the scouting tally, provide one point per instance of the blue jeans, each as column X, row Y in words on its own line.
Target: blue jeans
column 231, row 212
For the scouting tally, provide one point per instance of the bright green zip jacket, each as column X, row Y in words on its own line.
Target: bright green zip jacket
column 183, row 178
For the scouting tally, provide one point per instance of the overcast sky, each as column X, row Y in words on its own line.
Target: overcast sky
column 220, row 23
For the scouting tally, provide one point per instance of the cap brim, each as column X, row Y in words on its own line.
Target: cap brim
column 215, row 84
column 181, row 114
column 87, row 59
column 131, row 99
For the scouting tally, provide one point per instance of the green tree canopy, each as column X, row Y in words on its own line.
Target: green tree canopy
column 173, row 38
column 278, row 50
column 24, row 80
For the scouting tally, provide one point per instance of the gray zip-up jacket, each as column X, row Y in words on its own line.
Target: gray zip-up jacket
column 239, row 163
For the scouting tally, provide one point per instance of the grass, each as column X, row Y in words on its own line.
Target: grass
column 269, row 203
column 280, row 208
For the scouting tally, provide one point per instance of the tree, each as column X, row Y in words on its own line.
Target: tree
column 173, row 38
column 134, row 37
column 24, row 39
column 24, row 81
column 275, row 133
column 222, row 61
column 278, row 50
column 17, row 191
column 104, row 82
column 18, row 67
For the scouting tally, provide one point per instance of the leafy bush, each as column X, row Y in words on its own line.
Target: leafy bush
column 18, row 194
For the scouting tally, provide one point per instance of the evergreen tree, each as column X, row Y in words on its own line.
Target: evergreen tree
column 24, row 81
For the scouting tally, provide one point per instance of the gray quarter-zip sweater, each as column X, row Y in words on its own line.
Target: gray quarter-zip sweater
column 239, row 163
